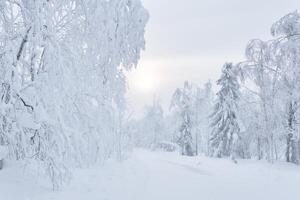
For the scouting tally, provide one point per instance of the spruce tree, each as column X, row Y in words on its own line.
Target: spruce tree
column 224, row 122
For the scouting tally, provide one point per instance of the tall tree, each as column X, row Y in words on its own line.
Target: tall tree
column 202, row 99
column 285, row 55
column 62, row 78
column 273, row 66
column 265, row 78
column 224, row 119
column 182, row 102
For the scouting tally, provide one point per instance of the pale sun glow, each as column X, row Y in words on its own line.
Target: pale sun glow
column 145, row 82
column 144, row 79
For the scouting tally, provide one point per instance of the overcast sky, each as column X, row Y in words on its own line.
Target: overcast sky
column 191, row 39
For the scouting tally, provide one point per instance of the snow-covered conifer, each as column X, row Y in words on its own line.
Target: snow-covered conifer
column 182, row 101
column 224, row 119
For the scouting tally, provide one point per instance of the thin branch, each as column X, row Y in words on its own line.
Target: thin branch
column 25, row 39
column 24, row 103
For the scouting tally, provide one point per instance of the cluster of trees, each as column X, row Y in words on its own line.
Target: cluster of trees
column 187, row 123
column 62, row 80
column 255, row 113
column 150, row 130
column 62, row 88
column 273, row 68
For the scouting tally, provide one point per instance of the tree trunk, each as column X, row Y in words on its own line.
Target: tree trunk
column 188, row 150
column 288, row 147
column 259, row 154
column 294, row 152
column 291, row 148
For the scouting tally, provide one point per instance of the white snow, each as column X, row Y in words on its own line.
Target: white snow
column 162, row 176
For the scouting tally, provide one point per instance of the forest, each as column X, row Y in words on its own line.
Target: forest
column 65, row 123
column 254, row 113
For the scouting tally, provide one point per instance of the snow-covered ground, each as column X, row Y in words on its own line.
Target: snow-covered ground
column 163, row 176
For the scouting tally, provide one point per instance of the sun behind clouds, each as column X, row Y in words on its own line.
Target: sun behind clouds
column 144, row 79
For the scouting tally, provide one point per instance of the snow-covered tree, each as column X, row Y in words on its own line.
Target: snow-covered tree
column 224, row 119
column 62, row 78
column 264, row 78
column 202, row 106
column 285, row 55
column 273, row 66
column 182, row 102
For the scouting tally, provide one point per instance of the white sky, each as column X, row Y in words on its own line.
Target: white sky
column 191, row 39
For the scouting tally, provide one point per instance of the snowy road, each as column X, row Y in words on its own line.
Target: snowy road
column 166, row 176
